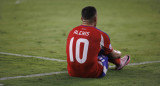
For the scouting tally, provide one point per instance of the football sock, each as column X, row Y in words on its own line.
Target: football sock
column 116, row 61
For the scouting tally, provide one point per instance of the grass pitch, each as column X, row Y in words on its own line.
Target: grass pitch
column 40, row 28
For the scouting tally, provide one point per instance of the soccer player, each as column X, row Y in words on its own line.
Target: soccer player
column 89, row 49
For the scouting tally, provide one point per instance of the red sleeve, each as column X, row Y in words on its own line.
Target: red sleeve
column 106, row 45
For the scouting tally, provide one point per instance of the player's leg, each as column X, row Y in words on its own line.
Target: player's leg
column 123, row 62
column 114, row 58
column 104, row 61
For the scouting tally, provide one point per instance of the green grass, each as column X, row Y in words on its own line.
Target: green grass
column 15, row 66
column 40, row 28
column 143, row 75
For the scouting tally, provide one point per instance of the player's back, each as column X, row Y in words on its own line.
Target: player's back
column 83, row 46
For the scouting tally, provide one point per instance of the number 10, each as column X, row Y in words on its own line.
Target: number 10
column 85, row 50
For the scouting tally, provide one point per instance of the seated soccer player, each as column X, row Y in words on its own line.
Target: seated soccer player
column 89, row 49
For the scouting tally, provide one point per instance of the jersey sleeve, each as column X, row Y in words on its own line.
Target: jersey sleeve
column 105, row 43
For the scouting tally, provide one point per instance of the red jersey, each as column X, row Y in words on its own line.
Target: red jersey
column 83, row 46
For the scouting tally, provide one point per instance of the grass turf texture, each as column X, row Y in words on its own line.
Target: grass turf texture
column 40, row 28
column 15, row 66
column 143, row 75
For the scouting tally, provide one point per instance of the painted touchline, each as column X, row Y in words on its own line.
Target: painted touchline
column 39, row 57
column 51, row 73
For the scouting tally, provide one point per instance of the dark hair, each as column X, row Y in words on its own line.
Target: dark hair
column 88, row 12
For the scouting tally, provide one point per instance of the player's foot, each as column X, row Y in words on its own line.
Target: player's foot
column 124, row 61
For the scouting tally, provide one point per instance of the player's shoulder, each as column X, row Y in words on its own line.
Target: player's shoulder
column 104, row 34
column 101, row 32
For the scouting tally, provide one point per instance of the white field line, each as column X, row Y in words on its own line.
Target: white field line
column 44, row 74
column 1, row 84
column 44, row 58
column 18, row 1
column 132, row 64
column 33, row 75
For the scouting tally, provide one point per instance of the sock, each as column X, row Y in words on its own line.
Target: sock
column 116, row 61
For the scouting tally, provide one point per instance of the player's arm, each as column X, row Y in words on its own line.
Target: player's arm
column 108, row 50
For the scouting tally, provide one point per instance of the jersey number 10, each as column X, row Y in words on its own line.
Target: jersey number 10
column 85, row 50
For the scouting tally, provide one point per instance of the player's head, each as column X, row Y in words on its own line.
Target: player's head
column 89, row 14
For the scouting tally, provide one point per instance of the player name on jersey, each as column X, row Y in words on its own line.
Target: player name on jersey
column 84, row 33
